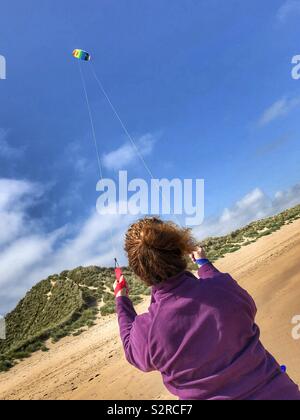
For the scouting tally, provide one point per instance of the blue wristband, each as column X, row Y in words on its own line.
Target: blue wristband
column 202, row 261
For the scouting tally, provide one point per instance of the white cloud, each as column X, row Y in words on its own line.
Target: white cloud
column 29, row 252
column 126, row 155
column 287, row 199
column 15, row 198
column 254, row 206
column 278, row 109
column 289, row 8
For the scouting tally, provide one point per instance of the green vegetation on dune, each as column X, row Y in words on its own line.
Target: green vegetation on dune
column 61, row 305
column 47, row 306
column 36, row 313
column 69, row 303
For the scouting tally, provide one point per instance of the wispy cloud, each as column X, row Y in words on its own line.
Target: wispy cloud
column 74, row 156
column 278, row 109
column 127, row 155
column 287, row 9
column 267, row 148
column 6, row 150
column 253, row 206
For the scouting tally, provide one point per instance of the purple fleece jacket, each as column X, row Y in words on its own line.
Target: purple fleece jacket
column 201, row 335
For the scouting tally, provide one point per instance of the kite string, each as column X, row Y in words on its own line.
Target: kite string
column 121, row 122
column 91, row 120
column 95, row 142
column 126, row 131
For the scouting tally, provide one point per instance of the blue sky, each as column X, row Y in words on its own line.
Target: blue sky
column 208, row 83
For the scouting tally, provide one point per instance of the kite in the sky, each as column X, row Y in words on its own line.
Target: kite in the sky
column 81, row 55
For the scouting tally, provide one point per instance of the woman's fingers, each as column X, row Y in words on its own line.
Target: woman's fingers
column 199, row 253
column 122, row 292
column 192, row 257
column 120, row 287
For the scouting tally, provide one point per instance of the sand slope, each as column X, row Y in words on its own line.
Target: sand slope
column 92, row 366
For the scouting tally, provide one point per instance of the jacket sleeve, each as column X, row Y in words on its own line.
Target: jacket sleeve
column 208, row 271
column 134, row 331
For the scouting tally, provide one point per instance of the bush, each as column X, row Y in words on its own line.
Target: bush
column 77, row 333
column 107, row 309
column 5, row 365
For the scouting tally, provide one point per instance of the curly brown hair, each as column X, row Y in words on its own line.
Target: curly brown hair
column 157, row 250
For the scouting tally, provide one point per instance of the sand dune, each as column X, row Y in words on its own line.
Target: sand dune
column 92, row 366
